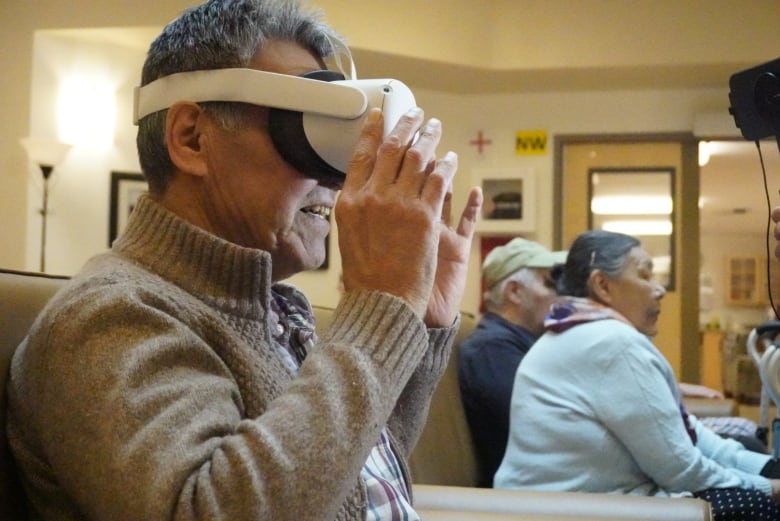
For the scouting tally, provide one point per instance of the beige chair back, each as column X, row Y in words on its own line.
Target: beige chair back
column 444, row 454
column 22, row 296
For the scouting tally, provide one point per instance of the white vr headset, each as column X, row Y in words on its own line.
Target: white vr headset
column 314, row 121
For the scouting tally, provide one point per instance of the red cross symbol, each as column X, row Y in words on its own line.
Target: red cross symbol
column 480, row 141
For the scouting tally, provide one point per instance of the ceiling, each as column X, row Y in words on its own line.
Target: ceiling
column 733, row 197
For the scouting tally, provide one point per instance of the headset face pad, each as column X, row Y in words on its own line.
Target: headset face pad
column 320, row 142
column 289, row 137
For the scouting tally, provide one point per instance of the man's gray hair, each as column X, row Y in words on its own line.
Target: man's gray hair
column 219, row 34
column 494, row 297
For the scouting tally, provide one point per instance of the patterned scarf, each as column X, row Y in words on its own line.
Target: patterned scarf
column 571, row 311
column 297, row 335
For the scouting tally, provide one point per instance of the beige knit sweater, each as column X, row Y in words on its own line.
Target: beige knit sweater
column 149, row 389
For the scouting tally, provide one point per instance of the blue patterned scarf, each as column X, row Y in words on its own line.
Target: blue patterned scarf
column 571, row 311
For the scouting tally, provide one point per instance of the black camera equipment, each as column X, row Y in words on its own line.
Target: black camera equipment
column 755, row 100
column 755, row 105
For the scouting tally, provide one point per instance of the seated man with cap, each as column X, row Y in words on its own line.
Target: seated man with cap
column 519, row 291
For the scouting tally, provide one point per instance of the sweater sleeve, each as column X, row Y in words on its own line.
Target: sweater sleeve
column 638, row 405
column 411, row 411
column 727, row 452
column 137, row 417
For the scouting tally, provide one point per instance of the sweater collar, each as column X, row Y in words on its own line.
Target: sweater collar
column 221, row 273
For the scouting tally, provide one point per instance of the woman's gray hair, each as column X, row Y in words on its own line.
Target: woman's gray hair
column 219, row 34
column 594, row 250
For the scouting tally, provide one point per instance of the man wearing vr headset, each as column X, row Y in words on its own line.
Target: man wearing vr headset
column 178, row 377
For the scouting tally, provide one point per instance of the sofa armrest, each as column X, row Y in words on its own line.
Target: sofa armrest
column 704, row 407
column 557, row 505
column 449, row 515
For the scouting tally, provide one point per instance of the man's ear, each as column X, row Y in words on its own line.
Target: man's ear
column 184, row 134
column 511, row 291
column 599, row 285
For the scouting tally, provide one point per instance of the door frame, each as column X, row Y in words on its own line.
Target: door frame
column 688, row 244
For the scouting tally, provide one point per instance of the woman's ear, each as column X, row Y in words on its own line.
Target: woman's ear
column 599, row 286
column 184, row 133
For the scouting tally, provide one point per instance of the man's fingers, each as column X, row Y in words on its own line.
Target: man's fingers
column 419, row 161
column 391, row 154
column 364, row 157
column 468, row 219
column 446, row 210
column 434, row 190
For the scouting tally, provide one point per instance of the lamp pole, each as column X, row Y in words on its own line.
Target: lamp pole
column 46, row 171
column 46, row 153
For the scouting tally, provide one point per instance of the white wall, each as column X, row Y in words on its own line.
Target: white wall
column 500, row 116
column 79, row 188
column 78, row 226
column 547, row 46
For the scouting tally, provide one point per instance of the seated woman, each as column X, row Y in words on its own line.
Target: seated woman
column 596, row 407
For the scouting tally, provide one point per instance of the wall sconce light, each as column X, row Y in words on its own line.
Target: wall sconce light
column 86, row 111
column 46, row 153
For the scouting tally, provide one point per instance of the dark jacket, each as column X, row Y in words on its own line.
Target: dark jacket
column 488, row 360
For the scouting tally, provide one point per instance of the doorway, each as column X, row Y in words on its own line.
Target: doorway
column 576, row 156
column 738, row 265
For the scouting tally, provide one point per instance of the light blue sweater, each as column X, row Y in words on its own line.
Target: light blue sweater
column 595, row 408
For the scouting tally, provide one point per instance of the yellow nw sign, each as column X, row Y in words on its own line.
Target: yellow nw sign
column 531, row 142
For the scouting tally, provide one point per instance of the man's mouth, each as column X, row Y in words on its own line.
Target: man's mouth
column 318, row 210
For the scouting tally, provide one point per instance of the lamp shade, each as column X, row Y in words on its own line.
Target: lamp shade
column 48, row 152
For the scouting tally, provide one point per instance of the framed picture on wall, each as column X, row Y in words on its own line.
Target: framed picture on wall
column 487, row 243
column 509, row 200
column 126, row 187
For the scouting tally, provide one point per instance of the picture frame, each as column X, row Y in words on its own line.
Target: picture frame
column 486, row 244
column 509, row 201
column 126, row 187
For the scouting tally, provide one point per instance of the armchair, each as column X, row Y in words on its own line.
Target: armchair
column 22, row 296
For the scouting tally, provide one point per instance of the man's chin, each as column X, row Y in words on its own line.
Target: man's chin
column 291, row 266
column 315, row 261
column 319, row 265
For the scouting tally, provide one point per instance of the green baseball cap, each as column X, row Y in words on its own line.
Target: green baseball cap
column 502, row 261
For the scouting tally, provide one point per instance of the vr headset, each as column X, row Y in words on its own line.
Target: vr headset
column 315, row 119
column 755, row 100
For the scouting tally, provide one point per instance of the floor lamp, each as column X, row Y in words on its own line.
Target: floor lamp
column 46, row 153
